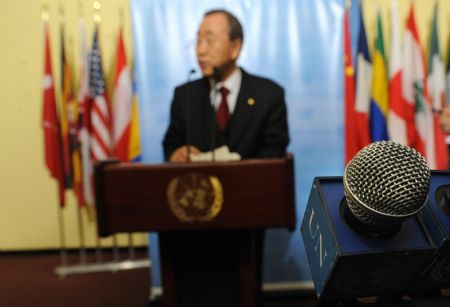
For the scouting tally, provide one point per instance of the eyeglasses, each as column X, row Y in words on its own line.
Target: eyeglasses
column 207, row 39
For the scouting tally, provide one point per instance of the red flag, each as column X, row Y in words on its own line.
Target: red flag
column 123, row 103
column 100, row 119
column 436, row 91
column 52, row 133
column 398, row 107
column 351, row 138
column 414, row 88
column 426, row 137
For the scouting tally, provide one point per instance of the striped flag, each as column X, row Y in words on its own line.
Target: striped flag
column 66, row 97
column 50, row 123
column 84, row 103
column 415, row 93
column 379, row 96
column 436, row 87
column 125, row 108
column 413, row 83
column 363, row 81
column 397, row 117
column 351, row 138
column 100, row 135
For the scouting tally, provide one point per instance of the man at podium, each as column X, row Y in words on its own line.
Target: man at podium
column 227, row 107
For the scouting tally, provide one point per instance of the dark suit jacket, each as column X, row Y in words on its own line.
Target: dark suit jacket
column 254, row 130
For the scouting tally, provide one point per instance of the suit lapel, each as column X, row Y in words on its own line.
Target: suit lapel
column 204, row 97
column 203, row 115
column 242, row 112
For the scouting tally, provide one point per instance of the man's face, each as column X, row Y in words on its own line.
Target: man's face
column 214, row 47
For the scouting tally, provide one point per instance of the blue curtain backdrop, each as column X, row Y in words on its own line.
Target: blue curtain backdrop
column 297, row 43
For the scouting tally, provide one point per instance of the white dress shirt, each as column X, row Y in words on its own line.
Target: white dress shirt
column 233, row 84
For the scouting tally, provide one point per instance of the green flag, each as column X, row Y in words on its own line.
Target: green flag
column 436, row 69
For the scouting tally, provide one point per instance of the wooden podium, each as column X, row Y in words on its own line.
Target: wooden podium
column 210, row 219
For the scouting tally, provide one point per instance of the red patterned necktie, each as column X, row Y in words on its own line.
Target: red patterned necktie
column 222, row 113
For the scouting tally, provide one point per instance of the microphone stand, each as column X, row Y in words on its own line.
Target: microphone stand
column 215, row 77
column 213, row 128
column 188, row 116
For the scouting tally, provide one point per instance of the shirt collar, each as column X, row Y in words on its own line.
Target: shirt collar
column 232, row 83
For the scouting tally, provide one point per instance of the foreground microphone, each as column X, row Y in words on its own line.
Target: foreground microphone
column 384, row 184
column 436, row 218
column 362, row 234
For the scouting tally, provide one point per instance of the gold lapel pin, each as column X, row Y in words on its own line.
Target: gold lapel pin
column 251, row 101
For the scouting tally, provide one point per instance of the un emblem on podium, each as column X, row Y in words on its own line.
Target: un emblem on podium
column 195, row 197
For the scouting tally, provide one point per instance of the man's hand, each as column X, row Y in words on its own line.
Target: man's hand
column 444, row 119
column 181, row 154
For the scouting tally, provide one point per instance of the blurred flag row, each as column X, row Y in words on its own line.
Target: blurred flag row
column 399, row 99
column 84, row 125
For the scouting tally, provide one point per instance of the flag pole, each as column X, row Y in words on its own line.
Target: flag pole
column 130, row 246
column 81, row 236
column 348, row 4
column 44, row 13
column 62, row 238
column 96, row 5
column 116, row 250
column 121, row 17
column 82, row 248
column 131, row 251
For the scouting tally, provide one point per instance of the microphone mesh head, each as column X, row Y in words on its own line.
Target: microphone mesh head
column 385, row 183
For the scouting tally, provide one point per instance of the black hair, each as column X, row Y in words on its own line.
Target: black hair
column 233, row 23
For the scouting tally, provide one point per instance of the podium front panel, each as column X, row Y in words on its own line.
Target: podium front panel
column 132, row 197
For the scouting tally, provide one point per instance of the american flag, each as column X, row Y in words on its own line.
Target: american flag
column 84, row 102
column 100, row 112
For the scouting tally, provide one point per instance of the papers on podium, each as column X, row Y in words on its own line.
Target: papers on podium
column 220, row 154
